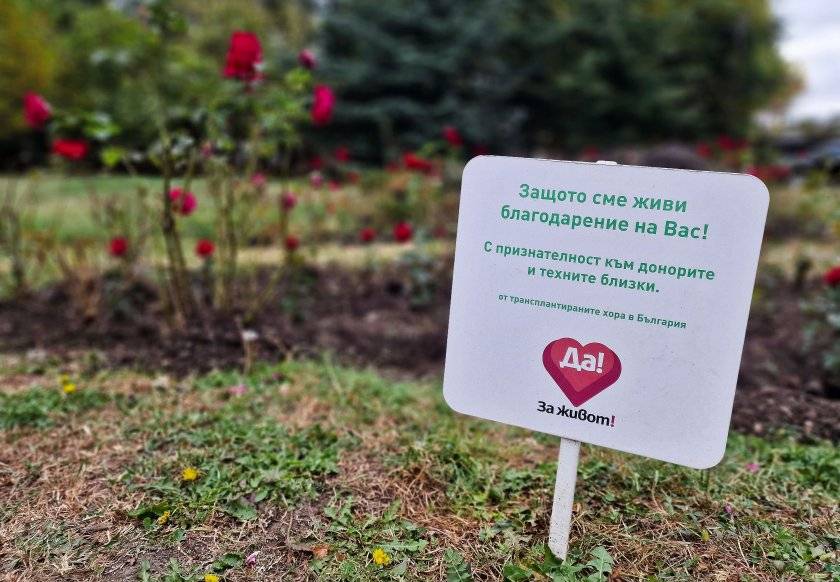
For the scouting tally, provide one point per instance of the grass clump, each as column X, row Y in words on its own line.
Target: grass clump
column 42, row 407
column 200, row 463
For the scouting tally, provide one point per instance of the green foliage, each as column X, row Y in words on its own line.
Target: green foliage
column 403, row 69
column 43, row 407
column 822, row 335
column 107, row 57
column 519, row 73
column 357, row 534
column 241, row 464
column 597, row 569
column 130, row 59
column 421, row 266
column 457, row 568
column 178, row 573
column 658, row 69
column 27, row 61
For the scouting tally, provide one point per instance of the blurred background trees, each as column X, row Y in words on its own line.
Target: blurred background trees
column 519, row 74
column 511, row 75
column 27, row 62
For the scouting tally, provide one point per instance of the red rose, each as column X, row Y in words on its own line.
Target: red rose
column 731, row 144
column 183, row 202
column 590, row 154
column 414, row 162
column 452, row 136
column 36, row 110
column 703, row 150
column 205, row 248
column 71, row 149
column 769, row 172
column 316, row 163
column 832, row 277
column 292, row 243
column 757, row 171
column 403, row 232
column 780, row 172
column 342, row 154
column 288, row 201
column 188, row 204
column 118, row 246
column 322, row 105
column 244, row 57
column 259, row 180
column 307, row 59
column 367, row 234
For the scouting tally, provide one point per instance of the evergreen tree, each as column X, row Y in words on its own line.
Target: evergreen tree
column 518, row 74
column 404, row 69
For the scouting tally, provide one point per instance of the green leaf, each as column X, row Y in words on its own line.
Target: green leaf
column 241, row 511
column 400, row 569
column 601, row 561
column 151, row 511
column 457, row 568
column 111, row 156
column 227, row 562
column 514, row 573
column 144, row 575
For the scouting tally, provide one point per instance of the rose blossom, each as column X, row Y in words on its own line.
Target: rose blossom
column 452, row 136
column 367, row 235
column 36, row 110
column 244, row 57
column 307, row 59
column 403, row 232
column 322, row 105
column 832, row 277
column 118, row 246
column 71, row 149
column 288, row 201
column 205, row 248
column 292, row 242
column 183, row 202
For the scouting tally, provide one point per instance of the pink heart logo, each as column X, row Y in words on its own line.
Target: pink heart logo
column 581, row 371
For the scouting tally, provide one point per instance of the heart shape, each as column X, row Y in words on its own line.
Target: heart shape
column 581, row 371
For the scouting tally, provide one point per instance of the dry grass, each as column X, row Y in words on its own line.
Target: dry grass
column 408, row 476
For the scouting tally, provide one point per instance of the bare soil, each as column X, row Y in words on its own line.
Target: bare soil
column 380, row 319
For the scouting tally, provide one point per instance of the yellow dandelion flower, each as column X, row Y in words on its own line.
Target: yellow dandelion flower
column 380, row 557
column 164, row 517
column 69, row 388
column 189, row 474
column 211, row 578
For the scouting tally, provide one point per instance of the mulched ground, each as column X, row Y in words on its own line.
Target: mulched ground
column 385, row 319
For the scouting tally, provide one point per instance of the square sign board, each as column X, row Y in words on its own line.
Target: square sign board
column 604, row 303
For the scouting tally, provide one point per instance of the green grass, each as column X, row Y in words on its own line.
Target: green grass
column 316, row 466
column 41, row 407
column 62, row 205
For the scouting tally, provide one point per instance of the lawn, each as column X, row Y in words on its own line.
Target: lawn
column 308, row 471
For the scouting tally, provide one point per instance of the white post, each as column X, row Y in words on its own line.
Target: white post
column 564, row 496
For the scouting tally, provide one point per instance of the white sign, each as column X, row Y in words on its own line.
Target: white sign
column 604, row 303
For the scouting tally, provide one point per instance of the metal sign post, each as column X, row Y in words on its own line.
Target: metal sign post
column 564, row 495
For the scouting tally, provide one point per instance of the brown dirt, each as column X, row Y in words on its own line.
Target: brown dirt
column 367, row 318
